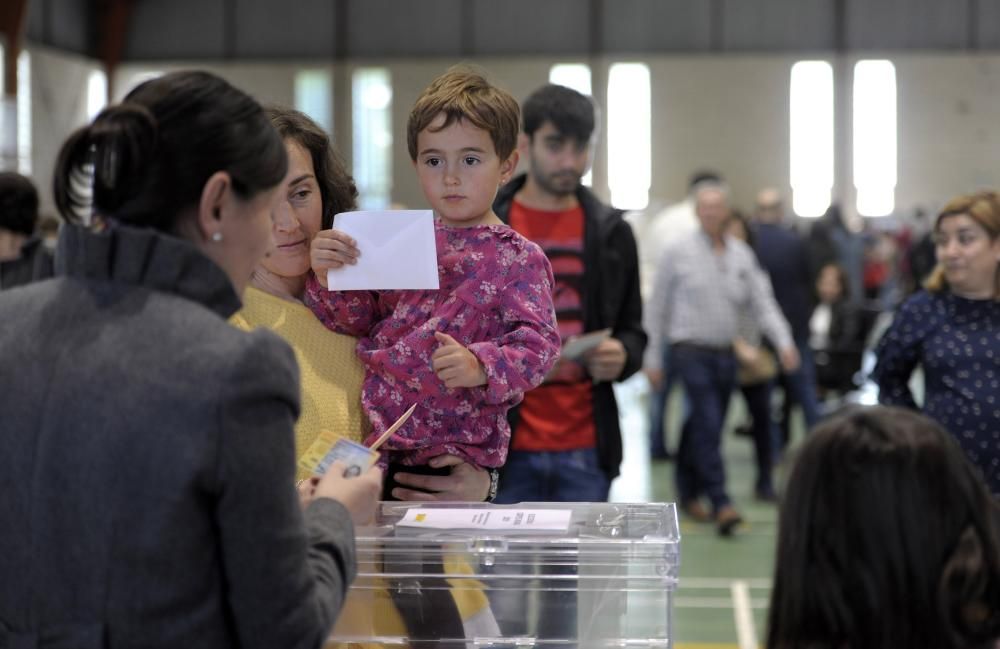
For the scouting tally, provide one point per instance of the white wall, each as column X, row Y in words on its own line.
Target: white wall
column 725, row 112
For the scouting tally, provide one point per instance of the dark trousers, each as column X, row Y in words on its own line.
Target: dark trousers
column 708, row 376
column 764, row 432
column 800, row 388
column 658, row 407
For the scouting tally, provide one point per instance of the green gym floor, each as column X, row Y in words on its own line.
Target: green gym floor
column 725, row 582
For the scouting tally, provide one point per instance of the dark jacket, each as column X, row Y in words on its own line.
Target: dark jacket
column 611, row 299
column 35, row 263
column 147, row 462
column 782, row 253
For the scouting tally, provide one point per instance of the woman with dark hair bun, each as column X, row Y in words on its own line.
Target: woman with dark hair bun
column 146, row 446
column 888, row 538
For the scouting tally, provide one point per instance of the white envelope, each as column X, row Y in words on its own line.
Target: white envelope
column 398, row 251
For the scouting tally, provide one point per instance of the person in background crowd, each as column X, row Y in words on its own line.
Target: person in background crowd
column 146, row 446
column 566, row 443
column 952, row 331
column 782, row 253
column 653, row 235
column 887, row 538
column 834, row 330
column 23, row 256
column 756, row 369
column 704, row 282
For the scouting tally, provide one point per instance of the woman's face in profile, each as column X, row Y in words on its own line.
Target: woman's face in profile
column 298, row 215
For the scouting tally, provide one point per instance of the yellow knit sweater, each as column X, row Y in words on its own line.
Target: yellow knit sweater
column 331, row 374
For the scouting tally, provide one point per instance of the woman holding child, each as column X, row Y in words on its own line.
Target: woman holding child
column 467, row 352
column 316, row 187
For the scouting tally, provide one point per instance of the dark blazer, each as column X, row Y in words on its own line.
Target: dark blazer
column 611, row 299
column 147, row 462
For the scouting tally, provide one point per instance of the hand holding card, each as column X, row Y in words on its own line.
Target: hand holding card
column 359, row 457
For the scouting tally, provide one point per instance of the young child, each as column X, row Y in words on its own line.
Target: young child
column 467, row 352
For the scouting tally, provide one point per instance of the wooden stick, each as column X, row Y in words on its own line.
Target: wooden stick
column 392, row 429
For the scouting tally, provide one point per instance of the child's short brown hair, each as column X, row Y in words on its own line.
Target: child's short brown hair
column 462, row 93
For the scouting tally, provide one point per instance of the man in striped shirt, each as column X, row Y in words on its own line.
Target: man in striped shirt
column 703, row 282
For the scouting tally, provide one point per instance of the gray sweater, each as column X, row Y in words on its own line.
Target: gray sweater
column 147, row 463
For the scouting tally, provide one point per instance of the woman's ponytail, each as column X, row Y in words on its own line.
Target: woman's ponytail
column 104, row 165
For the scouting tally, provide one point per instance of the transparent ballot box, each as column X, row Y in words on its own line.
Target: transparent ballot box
column 467, row 575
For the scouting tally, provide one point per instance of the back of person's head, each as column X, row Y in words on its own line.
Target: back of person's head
column 888, row 538
column 18, row 203
column 148, row 158
column 570, row 112
column 462, row 94
column 336, row 186
column 983, row 208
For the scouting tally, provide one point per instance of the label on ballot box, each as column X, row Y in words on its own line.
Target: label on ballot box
column 510, row 520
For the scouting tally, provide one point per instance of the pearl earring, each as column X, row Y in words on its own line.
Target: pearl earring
column 217, row 237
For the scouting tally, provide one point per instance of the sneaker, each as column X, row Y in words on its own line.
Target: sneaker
column 727, row 520
column 696, row 511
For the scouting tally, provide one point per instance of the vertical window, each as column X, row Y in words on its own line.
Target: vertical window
column 811, row 137
column 8, row 114
column 629, row 126
column 24, row 113
column 371, row 107
column 572, row 75
column 97, row 93
column 875, row 137
column 314, row 96
column 577, row 77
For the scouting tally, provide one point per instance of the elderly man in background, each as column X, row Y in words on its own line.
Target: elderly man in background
column 703, row 282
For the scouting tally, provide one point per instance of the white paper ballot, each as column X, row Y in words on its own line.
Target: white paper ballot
column 580, row 345
column 397, row 251
column 521, row 520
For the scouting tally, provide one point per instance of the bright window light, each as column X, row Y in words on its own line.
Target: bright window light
column 572, row 75
column 811, row 137
column 97, row 93
column 629, row 135
column 314, row 96
column 577, row 77
column 371, row 108
column 24, row 113
column 875, row 137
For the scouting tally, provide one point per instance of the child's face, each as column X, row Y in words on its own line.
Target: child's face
column 460, row 172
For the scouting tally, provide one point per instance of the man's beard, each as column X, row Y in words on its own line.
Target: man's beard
column 559, row 184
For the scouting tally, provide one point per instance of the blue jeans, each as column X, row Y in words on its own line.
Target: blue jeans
column 658, row 407
column 709, row 377
column 765, row 432
column 800, row 388
column 553, row 476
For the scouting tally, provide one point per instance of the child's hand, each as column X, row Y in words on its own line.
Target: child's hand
column 331, row 249
column 456, row 365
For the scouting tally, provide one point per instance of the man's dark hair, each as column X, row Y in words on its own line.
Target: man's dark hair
column 572, row 113
column 18, row 203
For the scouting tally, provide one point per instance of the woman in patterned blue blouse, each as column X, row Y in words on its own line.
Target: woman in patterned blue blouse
column 953, row 332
